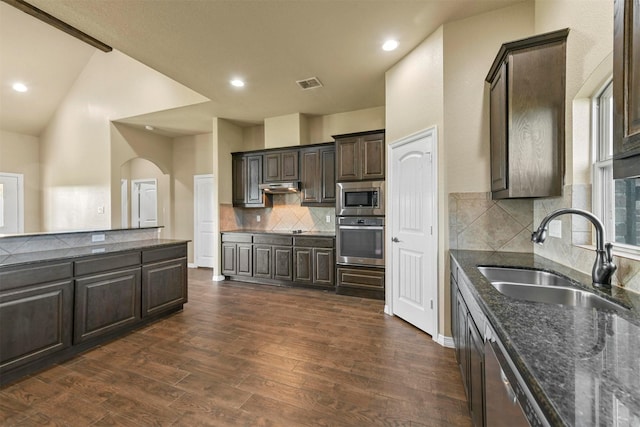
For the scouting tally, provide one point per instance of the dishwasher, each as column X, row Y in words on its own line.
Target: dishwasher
column 508, row 403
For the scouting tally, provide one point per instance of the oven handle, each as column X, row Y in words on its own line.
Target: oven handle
column 360, row 227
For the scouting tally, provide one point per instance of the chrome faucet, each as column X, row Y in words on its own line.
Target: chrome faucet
column 603, row 267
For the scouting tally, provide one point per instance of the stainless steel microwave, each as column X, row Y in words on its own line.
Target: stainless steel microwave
column 360, row 198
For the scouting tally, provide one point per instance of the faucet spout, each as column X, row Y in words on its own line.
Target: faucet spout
column 603, row 267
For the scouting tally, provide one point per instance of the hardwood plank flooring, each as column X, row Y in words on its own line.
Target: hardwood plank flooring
column 252, row 355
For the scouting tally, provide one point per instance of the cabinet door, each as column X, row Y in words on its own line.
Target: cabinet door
column 164, row 286
column 239, row 179
column 254, row 179
column 262, row 261
column 229, row 251
column 282, row 262
column 626, row 89
column 476, row 375
column 324, row 264
column 498, row 130
column 272, row 167
column 40, row 319
column 245, row 260
column 309, row 184
column 461, row 313
column 348, row 159
column 303, row 269
column 328, row 175
column 373, row 154
column 106, row 302
column 289, row 165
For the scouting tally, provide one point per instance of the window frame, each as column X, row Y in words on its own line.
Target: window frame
column 603, row 187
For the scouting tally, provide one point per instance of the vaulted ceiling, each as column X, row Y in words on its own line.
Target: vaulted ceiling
column 204, row 44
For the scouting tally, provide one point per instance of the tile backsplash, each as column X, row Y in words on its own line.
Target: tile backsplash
column 285, row 215
column 478, row 223
column 565, row 250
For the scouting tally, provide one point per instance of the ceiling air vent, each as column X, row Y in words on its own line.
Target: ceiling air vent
column 310, row 83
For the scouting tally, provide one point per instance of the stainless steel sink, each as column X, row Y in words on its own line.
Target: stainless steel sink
column 543, row 286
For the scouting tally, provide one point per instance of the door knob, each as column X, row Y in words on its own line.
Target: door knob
column 395, row 240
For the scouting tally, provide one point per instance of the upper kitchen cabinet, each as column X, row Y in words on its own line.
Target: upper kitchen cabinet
column 626, row 89
column 360, row 156
column 246, row 180
column 318, row 175
column 527, row 117
column 280, row 166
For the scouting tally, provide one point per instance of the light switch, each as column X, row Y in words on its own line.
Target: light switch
column 555, row 228
column 328, row 218
column 258, row 218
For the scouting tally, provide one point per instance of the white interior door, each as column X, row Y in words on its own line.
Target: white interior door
column 11, row 203
column 204, row 221
column 413, row 226
column 144, row 203
column 124, row 203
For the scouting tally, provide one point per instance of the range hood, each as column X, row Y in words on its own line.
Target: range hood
column 280, row 187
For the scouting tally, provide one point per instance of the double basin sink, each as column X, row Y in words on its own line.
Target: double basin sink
column 543, row 286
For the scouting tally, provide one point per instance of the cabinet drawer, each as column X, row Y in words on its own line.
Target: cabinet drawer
column 105, row 263
column 314, row 242
column 361, row 278
column 267, row 239
column 237, row 237
column 25, row 276
column 161, row 254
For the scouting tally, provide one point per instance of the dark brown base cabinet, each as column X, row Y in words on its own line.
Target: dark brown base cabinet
column 51, row 311
column 469, row 348
column 278, row 259
column 366, row 282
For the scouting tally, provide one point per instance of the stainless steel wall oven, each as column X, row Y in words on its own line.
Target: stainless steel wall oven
column 360, row 241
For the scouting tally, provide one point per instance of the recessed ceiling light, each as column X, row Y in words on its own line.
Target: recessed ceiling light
column 20, row 87
column 149, row 127
column 237, row 83
column 390, row 45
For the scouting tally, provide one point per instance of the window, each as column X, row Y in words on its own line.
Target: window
column 615, row 201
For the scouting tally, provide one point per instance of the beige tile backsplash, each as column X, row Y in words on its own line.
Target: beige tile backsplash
column 478, row 223
column 285, row 215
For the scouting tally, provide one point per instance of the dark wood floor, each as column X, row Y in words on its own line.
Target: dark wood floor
column 250, row 355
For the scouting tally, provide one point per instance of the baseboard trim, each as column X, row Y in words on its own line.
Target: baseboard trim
column 387, row 310
column 445, row 341
column 191, row 265
column 217, row 278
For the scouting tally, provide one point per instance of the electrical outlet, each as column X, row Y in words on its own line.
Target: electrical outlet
column 555, row 228
column 97, row 237
column 328, row 218
column 258, row 218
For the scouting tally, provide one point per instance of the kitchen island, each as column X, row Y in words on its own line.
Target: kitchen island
column 57, row 303
column 580, row 365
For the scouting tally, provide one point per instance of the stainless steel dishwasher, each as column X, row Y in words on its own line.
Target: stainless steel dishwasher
column 508, row 402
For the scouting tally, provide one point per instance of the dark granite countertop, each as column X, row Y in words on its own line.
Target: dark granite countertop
column 581, row 365
column 82, row 251
column 296, row 233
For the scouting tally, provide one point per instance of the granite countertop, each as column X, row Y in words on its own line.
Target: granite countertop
column 82, row 251
column 296, row 233
column 581, row 365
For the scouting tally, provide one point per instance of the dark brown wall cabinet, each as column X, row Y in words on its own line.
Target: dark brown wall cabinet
column 360, row 156
column 527, row 110
column 318, row 175
column 281, row 166
column 626, row 89
column 246, row 180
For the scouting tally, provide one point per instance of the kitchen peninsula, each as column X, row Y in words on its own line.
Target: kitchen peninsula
column 63, row 293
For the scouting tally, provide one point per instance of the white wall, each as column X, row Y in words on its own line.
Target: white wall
column 77, row 171
column 321, row 128
column 21, row 154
